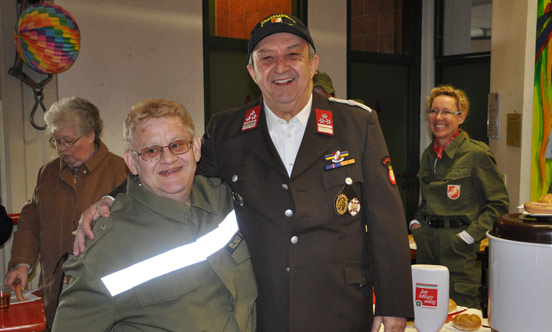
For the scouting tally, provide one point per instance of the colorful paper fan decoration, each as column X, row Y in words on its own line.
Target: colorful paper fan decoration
column 47, row 38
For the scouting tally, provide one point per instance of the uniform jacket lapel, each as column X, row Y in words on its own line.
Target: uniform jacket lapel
column 258, row 141
column 313, row 146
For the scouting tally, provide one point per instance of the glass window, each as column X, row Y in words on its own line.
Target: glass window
column 376, row 26
column 466, row 26
column 236, row 18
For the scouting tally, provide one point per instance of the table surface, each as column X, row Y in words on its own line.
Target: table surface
column 24, row 317
column 448, row 327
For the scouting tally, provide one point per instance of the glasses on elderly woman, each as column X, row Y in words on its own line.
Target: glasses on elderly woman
column 154, row 152
column 67, row 144
column 444, row 113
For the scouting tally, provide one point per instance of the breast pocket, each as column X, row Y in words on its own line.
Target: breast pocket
column 340, row 194
column 173, row 285
column 458, row 186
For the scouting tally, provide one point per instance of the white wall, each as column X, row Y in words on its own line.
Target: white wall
column 24, row 149
column 327, row 22
column 512, row 72
column 132, row 50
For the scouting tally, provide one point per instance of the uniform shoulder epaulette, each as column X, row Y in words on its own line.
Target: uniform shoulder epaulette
column 482, row 145
column 350, row 102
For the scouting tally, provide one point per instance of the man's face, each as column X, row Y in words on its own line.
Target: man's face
column 172, row 175
column 283, row 71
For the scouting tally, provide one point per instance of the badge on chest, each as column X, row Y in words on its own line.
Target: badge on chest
column 338, row 159
column 347, row 201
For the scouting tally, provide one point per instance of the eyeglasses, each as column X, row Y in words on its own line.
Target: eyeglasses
column 67, row 144
column 444, row 113
column 154, row 152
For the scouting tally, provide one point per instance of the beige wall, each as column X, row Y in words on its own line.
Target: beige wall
column 131, row 51
column 512, row 72
column 328, row 25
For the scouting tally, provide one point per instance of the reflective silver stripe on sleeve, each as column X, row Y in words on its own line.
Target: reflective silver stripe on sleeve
column 172, row 260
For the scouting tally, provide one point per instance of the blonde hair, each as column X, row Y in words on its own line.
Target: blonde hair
column 154, row 108
column 462, row 101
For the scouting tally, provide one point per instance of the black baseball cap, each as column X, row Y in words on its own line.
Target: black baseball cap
column 278, row 23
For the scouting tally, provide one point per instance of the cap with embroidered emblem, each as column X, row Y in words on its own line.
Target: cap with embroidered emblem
column 278, row 23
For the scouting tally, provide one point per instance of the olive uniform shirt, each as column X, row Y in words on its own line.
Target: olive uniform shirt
column 464, row 184
column 217, row 294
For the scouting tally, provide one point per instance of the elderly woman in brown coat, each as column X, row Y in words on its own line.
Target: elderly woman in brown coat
column 83, row 172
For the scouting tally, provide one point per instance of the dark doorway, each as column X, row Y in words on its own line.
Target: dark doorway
column 384, row 72
column 473, row 76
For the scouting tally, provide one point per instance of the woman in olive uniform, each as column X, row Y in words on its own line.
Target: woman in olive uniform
column 462, row 195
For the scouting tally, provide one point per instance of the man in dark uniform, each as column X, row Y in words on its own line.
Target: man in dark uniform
column 316, row 196
column 313, row 174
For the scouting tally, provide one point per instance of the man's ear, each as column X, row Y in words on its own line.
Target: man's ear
column 131, row 162
column 314, row 65
column 196, row 144
column 251, row 70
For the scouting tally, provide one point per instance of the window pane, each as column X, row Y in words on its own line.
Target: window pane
column 236, row 18
column 466, row 26
column 376, row 26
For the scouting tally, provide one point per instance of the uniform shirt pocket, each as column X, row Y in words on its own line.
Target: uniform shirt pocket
column 173, row 285
column 459, row 187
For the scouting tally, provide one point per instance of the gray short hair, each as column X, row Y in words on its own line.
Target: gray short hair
column 154, row 108
column 78, row 112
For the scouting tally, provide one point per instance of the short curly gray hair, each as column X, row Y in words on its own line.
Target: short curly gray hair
column 76, row 111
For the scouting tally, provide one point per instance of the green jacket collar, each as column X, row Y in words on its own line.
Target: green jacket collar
column 171, row 208
column 450, row 151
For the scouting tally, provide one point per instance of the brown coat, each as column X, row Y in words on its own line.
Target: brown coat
column 47, row 220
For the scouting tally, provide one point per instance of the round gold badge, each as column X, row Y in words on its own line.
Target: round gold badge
column 341, row 204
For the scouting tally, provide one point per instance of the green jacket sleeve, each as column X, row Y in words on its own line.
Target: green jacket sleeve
column 490, row 183
column 85, row 304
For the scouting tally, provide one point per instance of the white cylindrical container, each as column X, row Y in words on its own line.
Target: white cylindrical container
column 430, row 284
column 520, row 275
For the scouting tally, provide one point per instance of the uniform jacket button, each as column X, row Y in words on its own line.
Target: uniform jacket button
column 288, row 269
column 294, row 239
column 288, row 213
column 285, row 186
column 234, row 178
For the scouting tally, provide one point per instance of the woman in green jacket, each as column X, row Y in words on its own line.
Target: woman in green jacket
column 462, row 195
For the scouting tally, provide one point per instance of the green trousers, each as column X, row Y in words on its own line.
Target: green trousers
column 441, row 246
